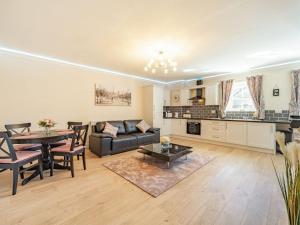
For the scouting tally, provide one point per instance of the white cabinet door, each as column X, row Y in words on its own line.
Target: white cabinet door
column 178, row 127
column 213, row 130
column 236, row 133
column 184, row 96
column 158, row 98
column 157, row 119
column 261, row 135
column 183, row 127
column 211, row 95
column 167, row 97
column 175, row 127
column 166, row 127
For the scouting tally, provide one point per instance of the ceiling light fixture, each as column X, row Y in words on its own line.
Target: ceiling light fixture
column 161, row 63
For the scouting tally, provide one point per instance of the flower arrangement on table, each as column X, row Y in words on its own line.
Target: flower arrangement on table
column 165, row 141
column 289, row 180
column 47, row 124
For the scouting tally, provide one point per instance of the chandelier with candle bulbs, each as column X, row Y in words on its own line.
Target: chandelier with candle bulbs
column 161, row 63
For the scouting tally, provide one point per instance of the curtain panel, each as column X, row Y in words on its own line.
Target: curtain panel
column 295, row 94
column 255, row 85
column 224, row 93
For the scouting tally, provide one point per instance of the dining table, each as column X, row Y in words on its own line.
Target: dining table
column 46, row 139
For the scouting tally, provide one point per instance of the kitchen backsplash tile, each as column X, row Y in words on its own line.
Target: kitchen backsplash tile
column 196, row 111
column 269, row 115
column 212, row 111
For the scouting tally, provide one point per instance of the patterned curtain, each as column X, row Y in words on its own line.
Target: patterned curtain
column 295, row 94
column 255, row 85
column 225, row 91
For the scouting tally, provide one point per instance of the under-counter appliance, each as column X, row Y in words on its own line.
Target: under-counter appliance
column 193, row 127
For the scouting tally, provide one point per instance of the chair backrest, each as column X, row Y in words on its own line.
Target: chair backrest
column 5, row 143
column 17, row 128
column 80, row 135
column 72, row 124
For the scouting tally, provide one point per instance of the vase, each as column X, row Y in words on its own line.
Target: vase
column 47, row 130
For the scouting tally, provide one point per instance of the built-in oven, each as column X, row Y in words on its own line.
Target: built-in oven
column 193, row 127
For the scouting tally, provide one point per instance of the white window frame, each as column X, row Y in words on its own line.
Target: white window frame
column 229, row 108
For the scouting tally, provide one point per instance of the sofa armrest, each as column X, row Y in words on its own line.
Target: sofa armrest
column 153, row 130
column 100, row 144
column 156, row 132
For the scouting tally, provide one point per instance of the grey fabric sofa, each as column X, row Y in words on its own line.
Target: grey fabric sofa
column 129, row 137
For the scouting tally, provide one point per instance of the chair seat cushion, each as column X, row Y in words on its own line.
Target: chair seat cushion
column 67, row 149
column 60, row 143
column 27, row 147
column 144, row 138
column 22, row 155
column 123, row 142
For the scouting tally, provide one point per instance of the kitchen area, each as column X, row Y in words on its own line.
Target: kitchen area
column 192, row 112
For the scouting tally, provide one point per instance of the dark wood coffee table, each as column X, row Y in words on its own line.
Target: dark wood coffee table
column 167, row 154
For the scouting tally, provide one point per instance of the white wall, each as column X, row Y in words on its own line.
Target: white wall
column 280, row 76
column 32, row 89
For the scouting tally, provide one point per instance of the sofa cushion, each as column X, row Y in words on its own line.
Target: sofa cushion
column 144, row 138
column 120, row 125
column 123, row 142
column 110, row 129
column 143, row 126
column 130, row 126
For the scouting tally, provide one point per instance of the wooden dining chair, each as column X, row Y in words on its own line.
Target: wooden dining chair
column 72, row 124
column 15, row 160
column 21, row 129
column 77, row 148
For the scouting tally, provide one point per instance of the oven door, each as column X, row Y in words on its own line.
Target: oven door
column 193, row 128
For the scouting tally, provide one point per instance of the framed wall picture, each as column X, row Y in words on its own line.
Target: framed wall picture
column 111, row 96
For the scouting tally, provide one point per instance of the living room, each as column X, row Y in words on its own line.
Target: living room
column 149, row 112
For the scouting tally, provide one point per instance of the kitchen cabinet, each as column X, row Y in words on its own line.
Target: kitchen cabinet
column 184, row 97
column 261, row 135
column 167, row 97
column 252, row 134
column 166, row 127
column 236, row 133
column 158, row 98
column 153, row 107
column 178, row 127
column 213, row 130
column 211, row 95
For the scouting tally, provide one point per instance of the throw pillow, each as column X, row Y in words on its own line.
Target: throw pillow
column 143, row 126
column 110, row 129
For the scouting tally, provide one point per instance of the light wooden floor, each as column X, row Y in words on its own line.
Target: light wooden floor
column 238, row 187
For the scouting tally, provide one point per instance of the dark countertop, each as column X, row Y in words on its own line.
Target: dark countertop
column 237, row 120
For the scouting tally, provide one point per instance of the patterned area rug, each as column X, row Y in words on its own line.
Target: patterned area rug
column 152, row 175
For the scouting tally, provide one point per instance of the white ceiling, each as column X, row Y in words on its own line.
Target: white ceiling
column 212, row 37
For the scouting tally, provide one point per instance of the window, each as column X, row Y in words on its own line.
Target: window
column 240, row 98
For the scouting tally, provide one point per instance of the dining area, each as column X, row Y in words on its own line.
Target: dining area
column 28, row 153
